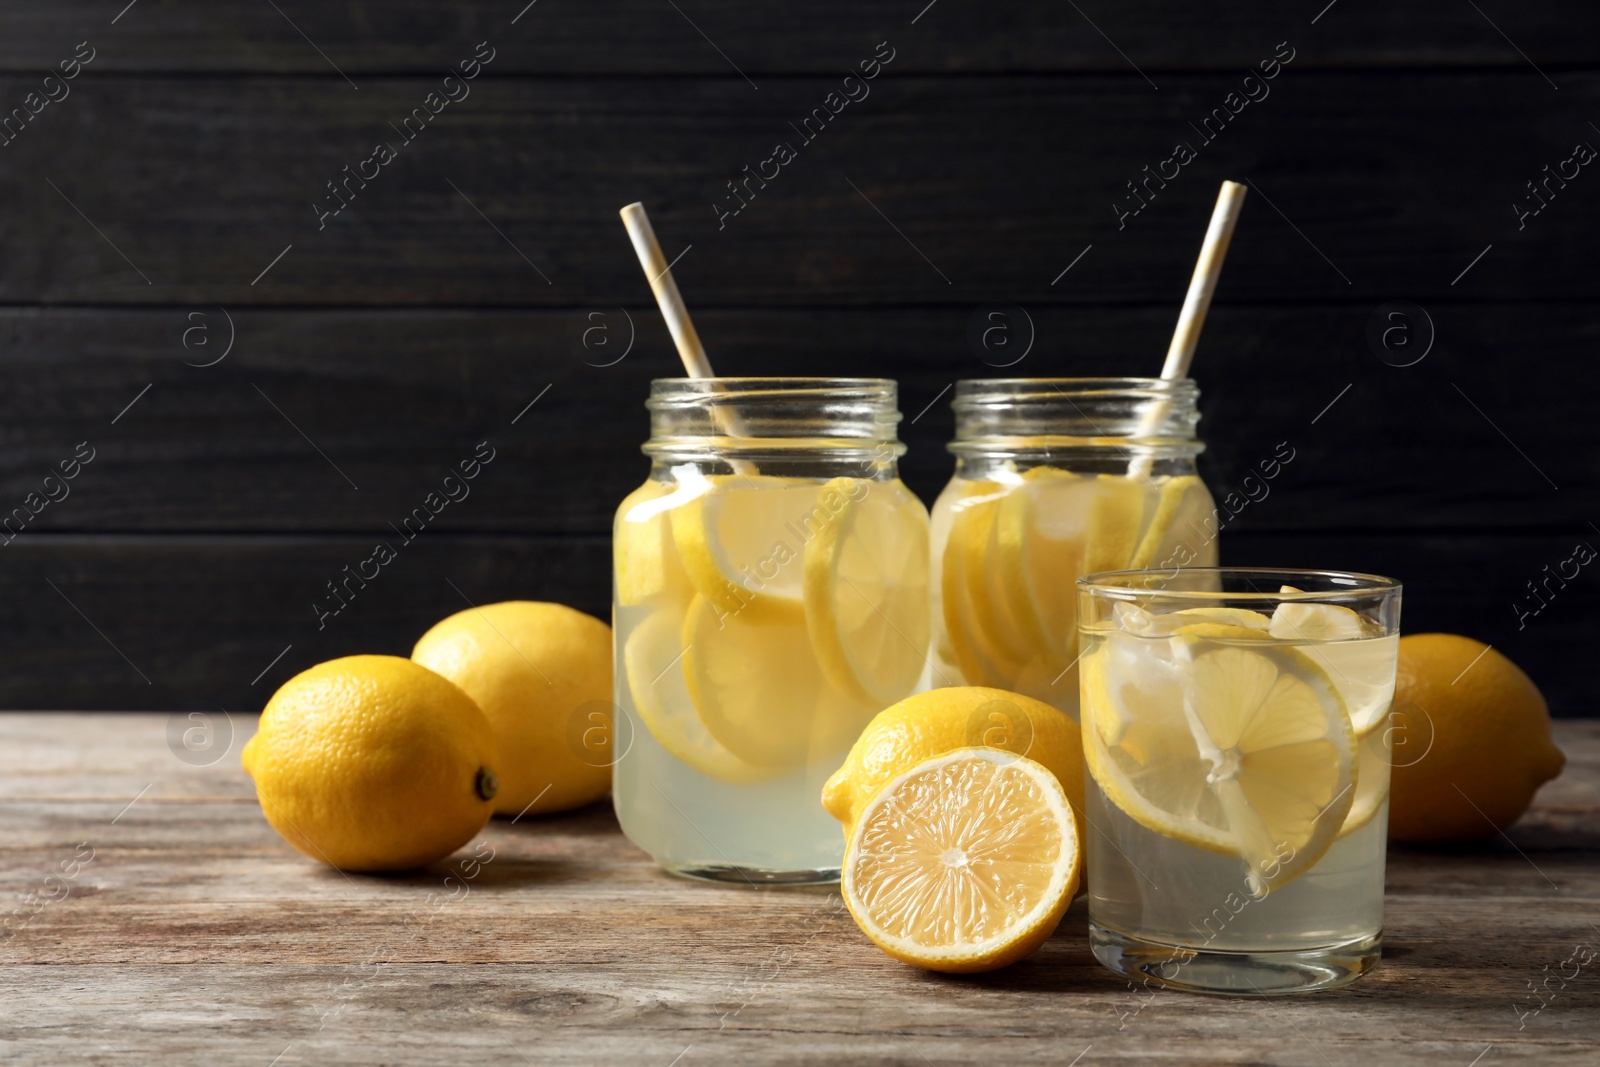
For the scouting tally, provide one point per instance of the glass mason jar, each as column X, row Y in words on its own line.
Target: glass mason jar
column 771, row 582
column 1057, row 478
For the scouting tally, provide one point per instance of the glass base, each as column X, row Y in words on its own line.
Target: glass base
column 754, row 876
column 1242, row 973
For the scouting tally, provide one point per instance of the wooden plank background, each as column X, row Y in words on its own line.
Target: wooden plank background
column 161, row 213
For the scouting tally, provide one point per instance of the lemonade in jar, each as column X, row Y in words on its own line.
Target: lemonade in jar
column 771, row 596
column 1057, row 478
column 1236, row 731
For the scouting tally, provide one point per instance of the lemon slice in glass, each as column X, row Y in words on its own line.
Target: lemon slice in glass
column 1039, row 533
column 974, row 537
column 1224, row 740
column 740, row 536
column 866, row 589
column 653, row 664
column 1182, row 504
column 964, row 863
column 759, row 691
column 1116, row 514
column 647, row 565
column 980, row 659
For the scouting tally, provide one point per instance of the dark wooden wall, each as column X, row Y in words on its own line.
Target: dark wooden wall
column 144, row 219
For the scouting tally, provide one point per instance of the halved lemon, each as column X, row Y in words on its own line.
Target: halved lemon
column 866, row 589
column 653, row 663
column 740, row 536
column 1224, row 740
column 964, row 863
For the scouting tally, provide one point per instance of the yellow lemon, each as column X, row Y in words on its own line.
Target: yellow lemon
column 943, row 720
column 1471, row 741
column 542, row 674
column 964, row 863
column 373, row 763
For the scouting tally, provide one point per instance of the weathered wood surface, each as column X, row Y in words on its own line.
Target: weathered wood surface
column 195, row 935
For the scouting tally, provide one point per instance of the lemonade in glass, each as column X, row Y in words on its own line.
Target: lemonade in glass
column 771, row 584
column 1056, row 478
column 1235, row 730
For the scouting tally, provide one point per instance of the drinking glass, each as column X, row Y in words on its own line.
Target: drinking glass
column 1235, row 729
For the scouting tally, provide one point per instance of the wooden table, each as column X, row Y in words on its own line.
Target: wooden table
column 168, row 924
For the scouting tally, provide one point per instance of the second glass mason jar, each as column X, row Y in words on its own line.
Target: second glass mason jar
column 771, row 582
column 1057, row 478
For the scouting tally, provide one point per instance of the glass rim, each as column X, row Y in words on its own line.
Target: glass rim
column 1351, row 584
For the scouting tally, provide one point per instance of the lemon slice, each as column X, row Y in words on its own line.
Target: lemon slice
column 1183, row 500
column 759, row 691
column 647, row 564
column 1292, row 621
column 978, row 657
column 1224, row 740
column 974, row 535
column 866, row 590
column 1135, row 619
column 1372, row 780
column 964, row 863
column 740, row 536
column 1116, row 510
column 653, row 663
column 1359, row 658
column 1039, row 533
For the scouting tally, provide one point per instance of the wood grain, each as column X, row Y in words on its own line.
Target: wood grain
column 194, row 933
column 396, row 399
column 995, row 185
column 202, row 617
column 638, row 36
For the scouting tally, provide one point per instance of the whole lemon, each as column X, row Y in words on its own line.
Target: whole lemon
column 1473, row 741
column 542, row 674
column 373, row 763
column 931, row 724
